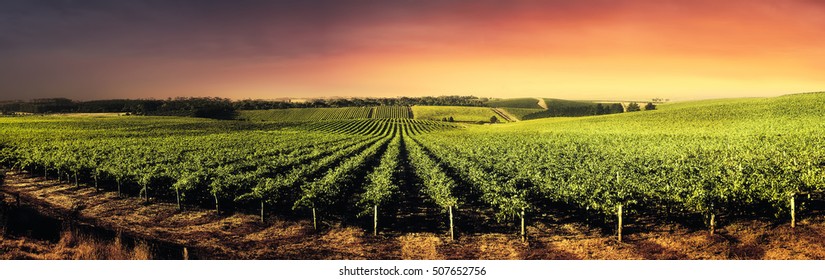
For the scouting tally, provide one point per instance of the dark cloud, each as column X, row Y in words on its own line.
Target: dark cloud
column 93, row 45
column 165, row 28
column 244, row 28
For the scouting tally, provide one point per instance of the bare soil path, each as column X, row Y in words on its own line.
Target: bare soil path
column 542, row 103
column 505, row 115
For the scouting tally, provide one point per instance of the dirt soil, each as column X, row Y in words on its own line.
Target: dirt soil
column 71, row 246
column 243, row 236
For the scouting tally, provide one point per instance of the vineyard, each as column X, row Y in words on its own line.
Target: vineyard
column 307, row 114
column 711, row 161
column 393, row 112
column 458, row 113
column 306, row 167
column 505, row 110
column 326, row 114
column 379, row 126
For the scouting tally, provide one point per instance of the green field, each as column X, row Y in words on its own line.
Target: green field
column 553, row 103
column 704, row 157
column 370, row 127
column 517, row 108
column 524, row 103
column 522, row 113
column 711, row 160
column 529, row 109
column 459, row 113
column 306, row 114
column 392, row 112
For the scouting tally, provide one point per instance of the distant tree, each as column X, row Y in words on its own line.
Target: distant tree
column 650, row 106
column 600, row 110
column 213, row 107
column 493, row 119
column 633, row 107
column 451, row 119
column 444, row 119
column 615, row 108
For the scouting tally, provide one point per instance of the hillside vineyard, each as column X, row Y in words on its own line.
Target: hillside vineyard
column 753, row 158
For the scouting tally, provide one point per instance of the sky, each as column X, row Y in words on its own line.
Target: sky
column 591, row 49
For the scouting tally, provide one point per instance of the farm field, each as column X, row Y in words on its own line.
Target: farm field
column 306, row 114
column 524, row 103
column 706, row 168
column 459, row 113
column 325, row 114
column 522, row 113
column 242, row 236
column 392, row 112
column 571, row 108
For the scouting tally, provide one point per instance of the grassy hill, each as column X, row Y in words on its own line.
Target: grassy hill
column 553, row 103
column 306, row 114
column 392, row 112
column 522, row 113
column 746, row 156
column 459, row 113
column 520, row 108
column 789, row 114
column 559, row 108
column 718, row 114
column 526, row 103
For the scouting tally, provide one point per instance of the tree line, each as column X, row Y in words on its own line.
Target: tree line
column 213, row 107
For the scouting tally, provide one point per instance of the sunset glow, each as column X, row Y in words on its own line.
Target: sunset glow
column 270, row 49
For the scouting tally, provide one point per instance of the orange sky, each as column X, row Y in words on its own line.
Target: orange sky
column 566, row 49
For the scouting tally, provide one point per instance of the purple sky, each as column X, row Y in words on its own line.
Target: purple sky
column 270, row 49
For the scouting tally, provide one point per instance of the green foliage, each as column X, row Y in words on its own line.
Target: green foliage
column 615, row 108
column 569, row 108
column 524, row 103
column 393, row 112
column 701, row 158
column 633, row 107
column 328, row 188
column 377, row 126
column 521, row 113
column 727, row 157
column 217, row 107
column 436, row 184
column 189, row 181
column 306, row 114
column 453, row 113
column 380, row 186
